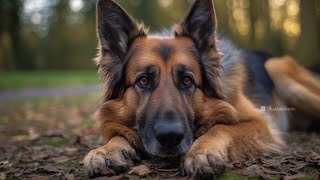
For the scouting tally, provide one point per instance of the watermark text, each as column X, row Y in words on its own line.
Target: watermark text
column 276, row 109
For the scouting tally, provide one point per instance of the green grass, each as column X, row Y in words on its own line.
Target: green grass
column 27, row 79
column 231, row 176
column 57, row 142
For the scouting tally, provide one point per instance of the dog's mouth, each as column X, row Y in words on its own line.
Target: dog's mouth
column 156, row 149
column 174, row 151
column 155, row 146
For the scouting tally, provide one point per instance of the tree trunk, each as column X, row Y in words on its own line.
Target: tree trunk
column 309, row 47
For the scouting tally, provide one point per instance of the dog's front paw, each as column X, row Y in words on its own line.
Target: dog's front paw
column 208, row 154
column 202, row 164
column 111, row 159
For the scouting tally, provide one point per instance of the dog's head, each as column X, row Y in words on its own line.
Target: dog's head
column 166, row 89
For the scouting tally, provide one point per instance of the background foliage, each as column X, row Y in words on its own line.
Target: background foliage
column 60, row 34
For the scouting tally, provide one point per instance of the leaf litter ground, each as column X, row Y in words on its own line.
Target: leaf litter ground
column 48, row 138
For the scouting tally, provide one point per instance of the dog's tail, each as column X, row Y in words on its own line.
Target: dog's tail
column 295, row 85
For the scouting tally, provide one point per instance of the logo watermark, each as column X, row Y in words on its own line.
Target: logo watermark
column 276, row 109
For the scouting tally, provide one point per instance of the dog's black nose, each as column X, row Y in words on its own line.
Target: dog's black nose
column 169, row 133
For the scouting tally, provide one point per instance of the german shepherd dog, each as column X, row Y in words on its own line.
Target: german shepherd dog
column 190, row 94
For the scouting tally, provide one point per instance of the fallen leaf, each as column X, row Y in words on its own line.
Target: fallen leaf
column 273, row 172
column 32, row 135
column 4, row 162
column 298, row 166
column 39, row 156
column 20, row 138
column 61, row 159
column 254, row 170
column 71, row 150
column 2, row 176
column 18, row 173
column 69, row 176
column 235, row 165
column 35, row 164
column 89, row 130
column 141, row 170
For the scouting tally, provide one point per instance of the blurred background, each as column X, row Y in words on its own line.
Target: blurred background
column 60, row 34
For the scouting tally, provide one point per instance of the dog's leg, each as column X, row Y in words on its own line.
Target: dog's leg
column 114, row 157
column 295, row 85
column 222, row 143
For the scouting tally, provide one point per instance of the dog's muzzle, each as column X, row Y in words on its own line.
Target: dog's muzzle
column 169, row 133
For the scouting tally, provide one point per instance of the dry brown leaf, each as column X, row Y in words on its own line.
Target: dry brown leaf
column 298, row 166
column 4, row 162
column 20, row 138
column 39, row 156
column 61, row 159
column 141, row 170
column 71, row 150
column 2, row 176
column 254, row 170
column 69, row 176
column 273, row 172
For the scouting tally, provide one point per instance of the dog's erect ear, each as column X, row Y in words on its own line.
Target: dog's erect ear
column 116, row 31
column 200, row 25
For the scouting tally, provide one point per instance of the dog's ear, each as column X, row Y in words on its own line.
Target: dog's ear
column 200, row 25
column 116, row 31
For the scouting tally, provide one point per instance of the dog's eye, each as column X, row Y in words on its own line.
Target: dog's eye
column 143, row 81
column 187, row 81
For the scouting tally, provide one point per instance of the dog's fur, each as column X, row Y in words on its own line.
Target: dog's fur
column 198, row 83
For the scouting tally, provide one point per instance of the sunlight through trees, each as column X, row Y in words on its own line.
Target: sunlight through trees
column 55, row 34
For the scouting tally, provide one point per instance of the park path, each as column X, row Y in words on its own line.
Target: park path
column 11, row 95
column 27, row 93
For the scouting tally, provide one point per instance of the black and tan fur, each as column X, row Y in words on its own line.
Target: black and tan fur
column 190, row 94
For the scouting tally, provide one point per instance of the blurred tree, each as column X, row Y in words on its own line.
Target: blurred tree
column 60, row 34
column 261, row 24
column 309, row 44
column 157, row 14
column 10, row 26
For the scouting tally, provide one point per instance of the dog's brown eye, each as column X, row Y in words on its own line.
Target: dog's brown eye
column 143, row 81
column 187, row 81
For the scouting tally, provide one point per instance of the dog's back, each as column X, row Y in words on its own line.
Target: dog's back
column 246, row 69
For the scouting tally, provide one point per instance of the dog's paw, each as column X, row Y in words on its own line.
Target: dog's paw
column 109, row 160
column 202, row 165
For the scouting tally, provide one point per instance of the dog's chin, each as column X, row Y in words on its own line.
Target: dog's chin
column 156, row 149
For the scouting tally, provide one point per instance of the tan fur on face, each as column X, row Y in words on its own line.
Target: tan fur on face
column 116, row 118
column 210, row 112
column 146, row 54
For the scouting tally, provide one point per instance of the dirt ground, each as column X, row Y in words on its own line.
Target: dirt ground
column 48, row 138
